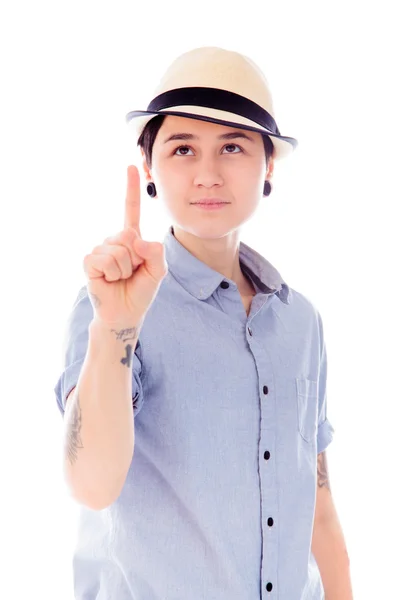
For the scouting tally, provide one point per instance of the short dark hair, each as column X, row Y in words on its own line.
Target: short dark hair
column 149, row 134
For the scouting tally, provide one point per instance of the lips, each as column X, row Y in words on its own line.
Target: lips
column 210, row 201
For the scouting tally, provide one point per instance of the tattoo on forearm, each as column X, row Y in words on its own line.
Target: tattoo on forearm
column 128, row 359
column 126, row 334
column 74, row 440
column 322, row 468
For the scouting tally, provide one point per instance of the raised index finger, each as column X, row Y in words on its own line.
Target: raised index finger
column 132, row 202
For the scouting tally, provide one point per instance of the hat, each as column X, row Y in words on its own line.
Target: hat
column 220, row 86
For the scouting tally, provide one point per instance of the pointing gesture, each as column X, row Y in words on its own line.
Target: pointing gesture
column 132, row 202
column 124, row 273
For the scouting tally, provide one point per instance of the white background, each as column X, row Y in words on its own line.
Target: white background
column 70, row 71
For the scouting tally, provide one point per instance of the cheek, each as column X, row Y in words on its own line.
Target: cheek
column 171, row 175
column 248, row 181
column 249, row 170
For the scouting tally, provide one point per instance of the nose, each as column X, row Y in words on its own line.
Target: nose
column 208, row 173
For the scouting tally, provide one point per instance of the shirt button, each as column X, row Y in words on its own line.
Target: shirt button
column 267, row 454
column 265, row 389
column 269, row 587
column 224, row 285
column 270, row 522
column 250, row 331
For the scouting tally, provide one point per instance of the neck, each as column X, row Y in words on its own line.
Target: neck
column 221, row 255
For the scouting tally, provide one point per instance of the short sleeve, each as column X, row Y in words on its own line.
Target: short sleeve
column 325, row 429
column 74, row 351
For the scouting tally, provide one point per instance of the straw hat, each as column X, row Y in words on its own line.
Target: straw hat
column 217, row 85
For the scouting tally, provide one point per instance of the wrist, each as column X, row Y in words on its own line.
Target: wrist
column 118, row 330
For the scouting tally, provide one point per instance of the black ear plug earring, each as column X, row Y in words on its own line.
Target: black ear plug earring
column 151, row 189
column 267, row 188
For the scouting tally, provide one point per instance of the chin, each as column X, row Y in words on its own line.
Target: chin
column 209, row 231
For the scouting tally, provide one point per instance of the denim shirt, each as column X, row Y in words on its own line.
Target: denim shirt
column 230, row 412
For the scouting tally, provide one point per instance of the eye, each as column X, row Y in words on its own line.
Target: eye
column 226, row 146
column 180, row 148
column 233, row 146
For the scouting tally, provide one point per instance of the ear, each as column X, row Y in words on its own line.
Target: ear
column 145, row 166
column 270, row 171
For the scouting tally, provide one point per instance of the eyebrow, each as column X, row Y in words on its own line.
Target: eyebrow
column 224, row 136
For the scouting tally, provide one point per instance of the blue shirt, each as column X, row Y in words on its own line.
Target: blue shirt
column 230, row 412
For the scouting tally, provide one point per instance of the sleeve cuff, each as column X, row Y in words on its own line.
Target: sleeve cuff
column 67, row 381
column 324, row 436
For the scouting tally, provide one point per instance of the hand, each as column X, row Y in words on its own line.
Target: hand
column 125, row 273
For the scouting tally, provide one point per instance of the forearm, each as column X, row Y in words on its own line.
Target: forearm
column 98, row 420
column 329, row 549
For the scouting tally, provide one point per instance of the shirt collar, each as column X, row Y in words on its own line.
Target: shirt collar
column 201, row 281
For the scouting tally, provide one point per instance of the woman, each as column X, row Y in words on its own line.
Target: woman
column 228, row 368
column 193, row 86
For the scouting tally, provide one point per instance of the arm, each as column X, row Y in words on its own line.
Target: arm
column 98, row 420
column 328, row 544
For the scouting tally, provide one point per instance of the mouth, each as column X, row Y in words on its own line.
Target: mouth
column 210, row 205
column 214, row 200
column 210, row 201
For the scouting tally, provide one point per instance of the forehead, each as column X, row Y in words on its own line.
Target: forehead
column 174, row 124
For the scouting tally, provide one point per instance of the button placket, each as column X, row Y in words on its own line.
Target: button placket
column 267, row 455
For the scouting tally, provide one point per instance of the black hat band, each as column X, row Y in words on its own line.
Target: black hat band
column 215, row 98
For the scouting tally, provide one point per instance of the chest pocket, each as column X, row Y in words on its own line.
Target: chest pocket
column 307, row 407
